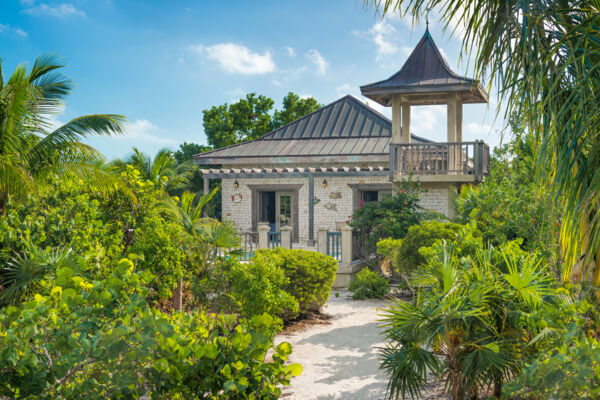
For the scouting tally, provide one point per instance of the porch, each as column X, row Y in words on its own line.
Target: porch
column 342, row 244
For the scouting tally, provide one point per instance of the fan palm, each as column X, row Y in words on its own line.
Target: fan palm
column 23, row 274
column 202, row 236
column 162, row 169
column 30, row 147
column 545, row 57
column 465, row 326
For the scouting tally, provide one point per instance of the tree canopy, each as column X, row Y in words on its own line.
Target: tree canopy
column 252, row 117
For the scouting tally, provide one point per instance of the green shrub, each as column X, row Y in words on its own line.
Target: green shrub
column 368, row 284
column 309, row 275
column 67, row 341
column 391, row 216
column 257, row 288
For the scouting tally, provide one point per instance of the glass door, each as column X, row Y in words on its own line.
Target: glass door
column 284, row 210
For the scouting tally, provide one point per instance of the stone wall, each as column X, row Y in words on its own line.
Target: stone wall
column 335, row 202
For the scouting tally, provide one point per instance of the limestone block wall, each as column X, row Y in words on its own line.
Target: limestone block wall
column 335, row 202
column 239, row 207
column 440, row 198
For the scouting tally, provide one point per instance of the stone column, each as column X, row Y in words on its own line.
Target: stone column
column 322, row 241
column 206, row 191
column 346, row 248
column 406, row 122
column 451, row 126
column 263, row 239
column 311, row 211
column 396, row 119
column 286, row 237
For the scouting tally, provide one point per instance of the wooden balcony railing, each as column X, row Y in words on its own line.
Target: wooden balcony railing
column 464, row 158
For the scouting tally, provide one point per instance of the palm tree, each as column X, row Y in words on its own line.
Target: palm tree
column 203, row 238
column 162, row 169
column 545, row 58
column 30, row 147
column 466, row 326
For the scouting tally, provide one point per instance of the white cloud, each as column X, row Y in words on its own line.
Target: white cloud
column 238, row 59
column 142, row 131
column 276, row 82
column 291, row 52
column 429, row 122
column 5, row 28
column 475, row 129
column 27, row 3
column 320, row 63
column 62, row 10
column 384, row 37
column 345, row 89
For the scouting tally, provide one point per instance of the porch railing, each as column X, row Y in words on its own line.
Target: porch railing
column 462, row 158
column 274, row 239
column 249, row 244
column 334, row 245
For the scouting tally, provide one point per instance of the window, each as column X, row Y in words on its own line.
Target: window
column 370, row 195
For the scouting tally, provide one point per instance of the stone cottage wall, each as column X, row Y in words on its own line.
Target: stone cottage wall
column 335, row 202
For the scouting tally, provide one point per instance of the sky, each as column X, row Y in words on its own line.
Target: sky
column 160, row 63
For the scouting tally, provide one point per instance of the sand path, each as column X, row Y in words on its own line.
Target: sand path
column 339, row 359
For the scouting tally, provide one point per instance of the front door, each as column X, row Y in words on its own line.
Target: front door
column 276, row 209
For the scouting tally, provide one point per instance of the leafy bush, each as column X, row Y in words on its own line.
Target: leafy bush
column 468, row 323
column 390, row 217
column 309, row 275
column 368, row 284
column 68, row 340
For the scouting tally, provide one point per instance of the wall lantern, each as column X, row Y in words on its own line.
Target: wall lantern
column 236, row 184
column 324, row 183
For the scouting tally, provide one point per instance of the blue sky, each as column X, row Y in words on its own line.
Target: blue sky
column 161, row 63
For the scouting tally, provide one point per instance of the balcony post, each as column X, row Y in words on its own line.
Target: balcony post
column 286, row 237
column 397, row 119
column 451, row 126
column 263, row 237
column 322, row 240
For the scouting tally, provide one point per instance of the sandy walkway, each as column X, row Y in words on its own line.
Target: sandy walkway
column 340, row 359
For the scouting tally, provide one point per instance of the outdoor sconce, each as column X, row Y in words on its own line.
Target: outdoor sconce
column 236, row 184
column 324, row 183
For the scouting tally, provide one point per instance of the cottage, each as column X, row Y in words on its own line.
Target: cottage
column 313, row 172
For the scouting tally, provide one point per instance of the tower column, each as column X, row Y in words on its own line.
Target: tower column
column 397, row 119
column 406, row 122
column 452, row 131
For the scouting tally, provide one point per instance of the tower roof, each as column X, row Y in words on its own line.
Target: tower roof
column 425, row 78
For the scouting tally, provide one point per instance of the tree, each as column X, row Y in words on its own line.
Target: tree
column 247, row 119
column 294, row 107
column 544, row 57
column 187, row 150
column 251, row 118
column 162, row 169
column 203, row 238
column 30, row 147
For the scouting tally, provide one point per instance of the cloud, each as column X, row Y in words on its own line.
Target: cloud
column 144, row 131
column 345, row 89
column 5, row 28
column 237, row 59
column 476, row 129
column 384, row 36
column 62, row 10
column 320, row 63
column 291, row 52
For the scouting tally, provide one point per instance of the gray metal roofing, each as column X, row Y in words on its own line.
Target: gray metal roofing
column 424, row 67
column 344, row 127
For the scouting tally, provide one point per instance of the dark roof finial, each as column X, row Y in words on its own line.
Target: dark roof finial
column 427, row 19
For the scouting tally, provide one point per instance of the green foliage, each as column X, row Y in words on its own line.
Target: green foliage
column 565, row 363
column 187, row 151
column 247, row 119
column 390, row 217
column 30, row 149
column 468, row 322
column 511, row 205
column 294, row 107
column 68, row 341
column 251, row 118
column 309, row 275
column 368, row 284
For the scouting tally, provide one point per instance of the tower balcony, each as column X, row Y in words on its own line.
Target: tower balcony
column 459, row 162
